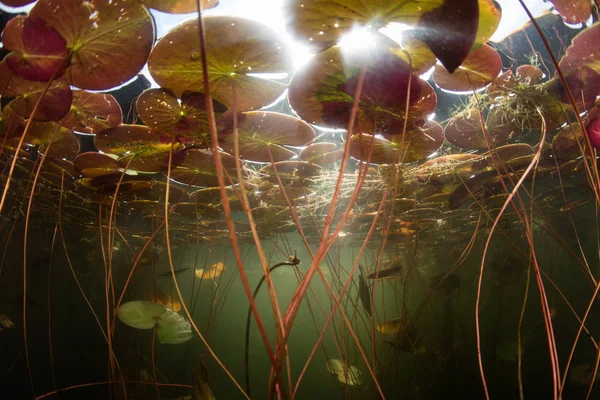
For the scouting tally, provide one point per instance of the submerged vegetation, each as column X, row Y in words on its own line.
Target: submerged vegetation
column 431, row 196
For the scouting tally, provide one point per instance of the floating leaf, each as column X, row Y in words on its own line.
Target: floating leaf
column 197, row 167
column 584, row 51
column 322, row 153
column 141, row 314
column 593, row 132
column 573, row 11
column 162, row 112
column 237, row 49
column 149, row 152
column 450, row 31
column 109, row 41
column 291, row 170
column 63, row 142
column 479, row 69
column 322, row 93
column 529, row 74
column 464, row 130
column 92, row 164
column 92, row 112
column 54, row 105
column 172, row 328
column 261, row 131
column 38, row 51
column 179, row 6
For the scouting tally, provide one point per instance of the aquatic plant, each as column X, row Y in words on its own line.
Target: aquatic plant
column 471, row 215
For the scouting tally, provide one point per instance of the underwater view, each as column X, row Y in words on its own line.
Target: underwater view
column 299, row 199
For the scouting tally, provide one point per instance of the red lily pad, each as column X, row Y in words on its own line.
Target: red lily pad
column 479, row 69
column 573, row 11
column 322, row 93
column 196, row 167
column 54, row 105
column 179, row 6
column 38, row 51
column 261, row 131
column 92, row 112
column 529, row 74
column 322, row 153
column 92, row 164
column 52, row 139
column 593, row 132
column 237, row 49
column 17, row 3
column 109, row 41
column 584, row 51
column 162, row 112
column 149, row 152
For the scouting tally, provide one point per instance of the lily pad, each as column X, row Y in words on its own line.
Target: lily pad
column 63, row 142
column 418, row 143
column 149, row 152
column 172, row 328
column 584, row 51
column 322, row 153
column 92, row 164
column 179, row 6
column 196, row 167
column 261, row 131
column 322, row 92
column 54, row 105
column 565, row 145
column 164, row 113
column 92, row 112
column 141, row 314
column 478, row 70
column 593, row 132
column 573, row 11
column 466, row 23
column 237, row 49
column 108, row 41
column 38, row 51
column 464, row 130
column 291, row 170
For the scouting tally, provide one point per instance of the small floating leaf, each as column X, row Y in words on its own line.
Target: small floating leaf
column 172, row 328
column 141, row 314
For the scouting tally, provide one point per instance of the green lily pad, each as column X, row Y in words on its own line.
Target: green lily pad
column 172, row 328
column 149, row 152
column 164, row 113
column 237, row 49
column 261, row 131
column 108, row 41
column 196, row 167
column 141, row 314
